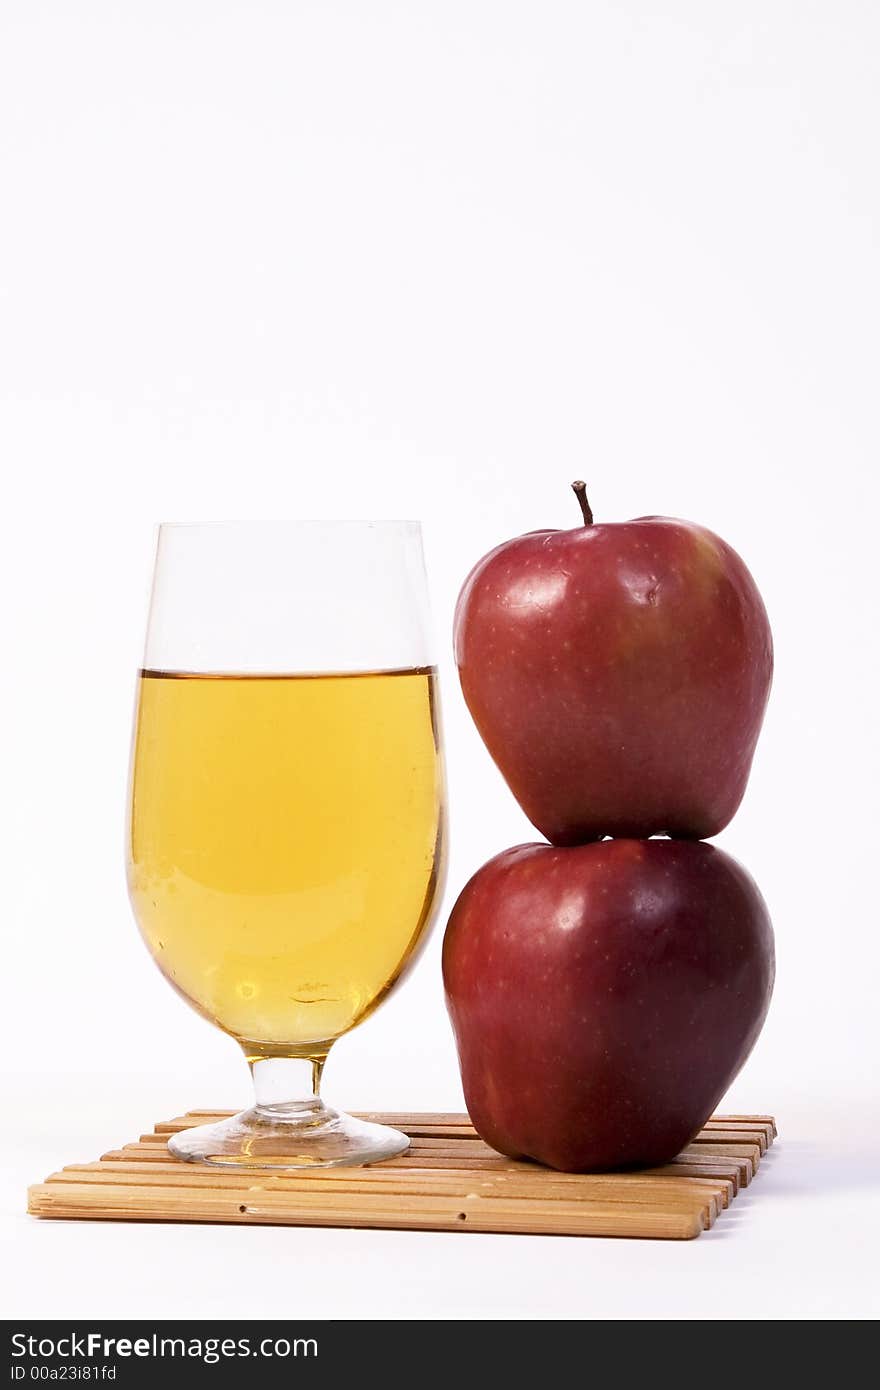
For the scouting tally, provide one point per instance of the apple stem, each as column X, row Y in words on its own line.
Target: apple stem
column 580, row 492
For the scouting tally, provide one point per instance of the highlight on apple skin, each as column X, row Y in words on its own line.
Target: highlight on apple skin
column 618, row 675
column 604, row 997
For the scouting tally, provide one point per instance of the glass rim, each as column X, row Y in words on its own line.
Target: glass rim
column 311, row 522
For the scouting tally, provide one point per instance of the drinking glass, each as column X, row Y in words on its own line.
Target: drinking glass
column 286, row 807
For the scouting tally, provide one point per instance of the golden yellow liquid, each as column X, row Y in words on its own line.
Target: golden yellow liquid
column 284, row 843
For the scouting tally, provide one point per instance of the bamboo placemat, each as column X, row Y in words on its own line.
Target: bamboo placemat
column 448, row 1180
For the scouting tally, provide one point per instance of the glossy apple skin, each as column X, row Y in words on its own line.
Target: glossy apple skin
column 604, row 997
column 618, row 675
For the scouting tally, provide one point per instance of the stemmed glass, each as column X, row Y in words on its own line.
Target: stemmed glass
column 286, row 826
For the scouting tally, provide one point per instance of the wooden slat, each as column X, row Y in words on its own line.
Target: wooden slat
column 448, row 1179
column 767, row 1120
column 410, row 1121
column 723, row 1178
column 733, row 1169
column 709, row 1167
column 473, row 1149
column 537, row 1186
column 436, row 1213
column 155, row 1148
column 733, row 1136
column 749, row 1153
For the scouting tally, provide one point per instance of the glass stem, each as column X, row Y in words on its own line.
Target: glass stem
column 288, row 1086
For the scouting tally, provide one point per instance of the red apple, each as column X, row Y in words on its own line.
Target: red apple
column 618, row 675
column 604, row 997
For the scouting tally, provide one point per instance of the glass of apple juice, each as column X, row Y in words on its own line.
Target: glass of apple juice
column 286, row 807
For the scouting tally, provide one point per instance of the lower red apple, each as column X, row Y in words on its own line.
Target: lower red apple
column 603, row 997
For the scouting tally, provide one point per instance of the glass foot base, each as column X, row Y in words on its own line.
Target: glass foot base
column 288, row 1136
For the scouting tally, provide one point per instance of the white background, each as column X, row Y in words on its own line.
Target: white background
column 329, row 259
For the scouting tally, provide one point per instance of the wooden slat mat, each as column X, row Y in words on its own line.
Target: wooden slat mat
column 448, row 1180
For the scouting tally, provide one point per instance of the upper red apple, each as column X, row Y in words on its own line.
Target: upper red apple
column 604, row 997
column 618, row 675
